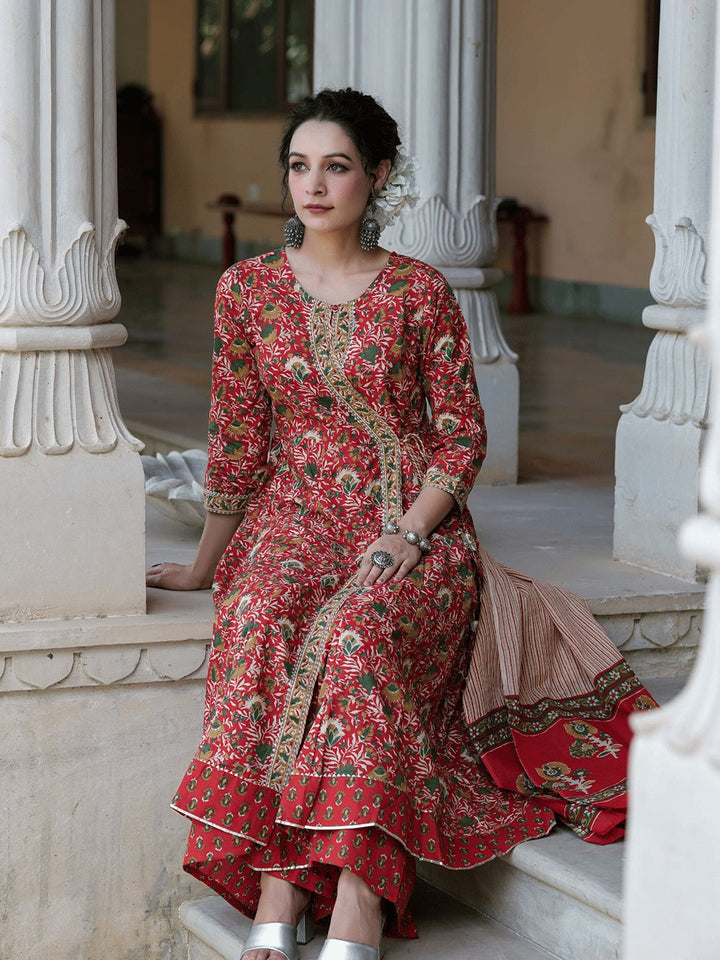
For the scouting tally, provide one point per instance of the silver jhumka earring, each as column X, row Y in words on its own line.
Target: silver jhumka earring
column 370, row 228
column 294, row 232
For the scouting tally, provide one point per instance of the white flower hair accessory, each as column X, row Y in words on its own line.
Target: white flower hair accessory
column 398, row 191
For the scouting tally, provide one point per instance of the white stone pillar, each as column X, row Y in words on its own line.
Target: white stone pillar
column 673, row 864
column 660, row 434
column 71, row 480
column 432, row 65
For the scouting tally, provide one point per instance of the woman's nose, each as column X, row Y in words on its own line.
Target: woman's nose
column 315, row 184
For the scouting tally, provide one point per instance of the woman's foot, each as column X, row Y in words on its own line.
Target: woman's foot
column 357, row 914
column 280, row 902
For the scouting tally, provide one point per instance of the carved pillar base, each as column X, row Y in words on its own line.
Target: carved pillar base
column 499, row 387
column 72, row 480
column 667, row 461
column 93, row 576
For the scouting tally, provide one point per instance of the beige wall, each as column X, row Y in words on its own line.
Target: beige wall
column 205, row 158
column 571, row 141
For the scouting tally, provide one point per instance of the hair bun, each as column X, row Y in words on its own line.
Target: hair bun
column 362, row 117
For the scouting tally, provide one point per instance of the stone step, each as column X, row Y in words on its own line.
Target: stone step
column 448, row 929
column 558, row 892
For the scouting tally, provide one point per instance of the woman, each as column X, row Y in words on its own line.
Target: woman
column 336, row 746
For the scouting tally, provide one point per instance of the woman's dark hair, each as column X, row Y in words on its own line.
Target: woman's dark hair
column 366, row 122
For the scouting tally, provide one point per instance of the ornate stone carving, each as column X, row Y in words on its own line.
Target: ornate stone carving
column 104, row 665
column 107, row 665
column 57, row 398
column 174, row 485
column 483, row 318
column 432, row 232
column 676, row 383
column 175, row 661
column 82, row 289
column 658, row 643
column 59, row 227
column 653, row 631
column 40, row 669
column 677, row 277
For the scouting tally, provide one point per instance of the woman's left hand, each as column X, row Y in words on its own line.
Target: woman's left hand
column 405, row 558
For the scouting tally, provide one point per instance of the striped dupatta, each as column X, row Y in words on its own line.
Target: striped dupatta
column 547, row 700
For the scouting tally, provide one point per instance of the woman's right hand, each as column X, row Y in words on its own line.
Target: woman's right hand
column 175, row 576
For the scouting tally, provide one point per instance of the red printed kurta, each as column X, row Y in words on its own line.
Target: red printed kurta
column 340, row 728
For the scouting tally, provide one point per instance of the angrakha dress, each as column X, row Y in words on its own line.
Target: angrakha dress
column 446, row 717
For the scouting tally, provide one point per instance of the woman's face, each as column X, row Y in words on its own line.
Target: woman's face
column 326, row 179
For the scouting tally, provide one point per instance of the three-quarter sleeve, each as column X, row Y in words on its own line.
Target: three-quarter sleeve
column 240, row 414
column 457, row 430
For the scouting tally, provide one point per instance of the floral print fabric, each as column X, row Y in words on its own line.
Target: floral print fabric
column 334, row 731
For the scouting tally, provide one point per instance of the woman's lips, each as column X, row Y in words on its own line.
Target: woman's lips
column 317, row 208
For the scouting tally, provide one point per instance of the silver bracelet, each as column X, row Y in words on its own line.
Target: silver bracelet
column 422, row 543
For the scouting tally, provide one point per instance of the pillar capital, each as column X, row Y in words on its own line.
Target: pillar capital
column 446, row 238
column 58, row 195
column 78, row 287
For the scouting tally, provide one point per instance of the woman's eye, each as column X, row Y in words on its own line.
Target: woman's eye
column 297, row 165
column 337, row 167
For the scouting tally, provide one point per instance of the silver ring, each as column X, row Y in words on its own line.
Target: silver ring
column 381, row 558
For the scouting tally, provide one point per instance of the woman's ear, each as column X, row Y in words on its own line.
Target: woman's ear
column 381, row 173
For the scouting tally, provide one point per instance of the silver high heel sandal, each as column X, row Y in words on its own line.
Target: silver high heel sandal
column 347, row 950
column 281, row 937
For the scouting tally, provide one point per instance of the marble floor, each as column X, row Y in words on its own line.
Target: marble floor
column 574, row 372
